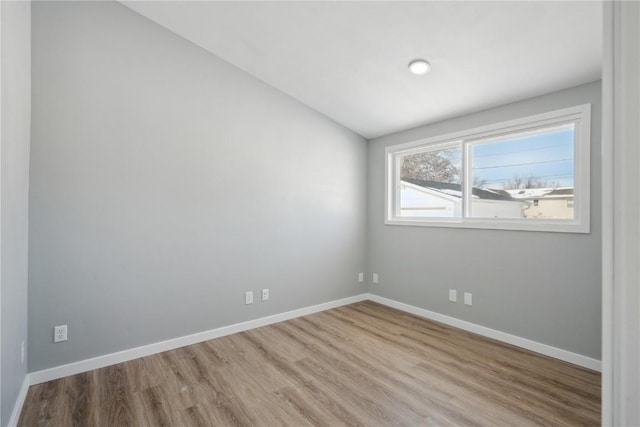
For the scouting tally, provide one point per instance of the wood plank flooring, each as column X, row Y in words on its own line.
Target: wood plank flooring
column 363, row 365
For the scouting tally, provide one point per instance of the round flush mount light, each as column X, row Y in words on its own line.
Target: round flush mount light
column 419, row 66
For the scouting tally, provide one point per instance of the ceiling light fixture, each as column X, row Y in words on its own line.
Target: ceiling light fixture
column 419, row 66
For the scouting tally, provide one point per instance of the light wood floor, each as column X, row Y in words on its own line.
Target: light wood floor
column 362, row 364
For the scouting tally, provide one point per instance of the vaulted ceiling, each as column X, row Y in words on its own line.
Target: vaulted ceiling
column 348, row 60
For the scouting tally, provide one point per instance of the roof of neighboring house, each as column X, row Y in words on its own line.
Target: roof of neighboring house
column 561, row 192
column 535, row 193
column 455, row 190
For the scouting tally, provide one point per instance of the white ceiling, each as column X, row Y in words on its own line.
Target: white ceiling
column 348, row 60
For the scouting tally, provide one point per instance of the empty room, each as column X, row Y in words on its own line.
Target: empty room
column 306, row 213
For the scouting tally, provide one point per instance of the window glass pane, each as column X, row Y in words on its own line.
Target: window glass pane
column 528, row 176
column 430, row 183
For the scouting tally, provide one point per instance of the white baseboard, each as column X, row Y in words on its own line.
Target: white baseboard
column 17, row 408
column 147, row 350
column 545, row 349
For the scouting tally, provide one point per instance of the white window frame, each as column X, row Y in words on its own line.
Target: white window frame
column 580, row 116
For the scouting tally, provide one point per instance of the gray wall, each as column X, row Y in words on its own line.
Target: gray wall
column 14, row 154
column 165, row 182
column 537, row 285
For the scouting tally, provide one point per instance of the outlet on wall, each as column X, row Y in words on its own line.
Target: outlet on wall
column 360, row 277
column 453, row 295
column 468, row 298
column 375, row 278
column 60, row 333
column 265, row 295
column 248, row 297
column 22, row 353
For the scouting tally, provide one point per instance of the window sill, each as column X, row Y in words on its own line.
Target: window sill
column 552, row 226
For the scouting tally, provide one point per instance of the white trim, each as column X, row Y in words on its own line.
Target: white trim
column 535, row 346
column 542, row 225
column 621, row 245
column 17, row 408
column 147, row 350
column 607, row 214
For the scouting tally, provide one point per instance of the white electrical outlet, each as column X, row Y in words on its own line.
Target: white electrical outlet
column 248, row 297
column 60, row 333
column 375, row 277
column 453, row 295
column 265, row 295
column 360, row 277
column 22, row 353
column 468, row 298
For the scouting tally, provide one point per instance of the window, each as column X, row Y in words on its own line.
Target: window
column 526, row 174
